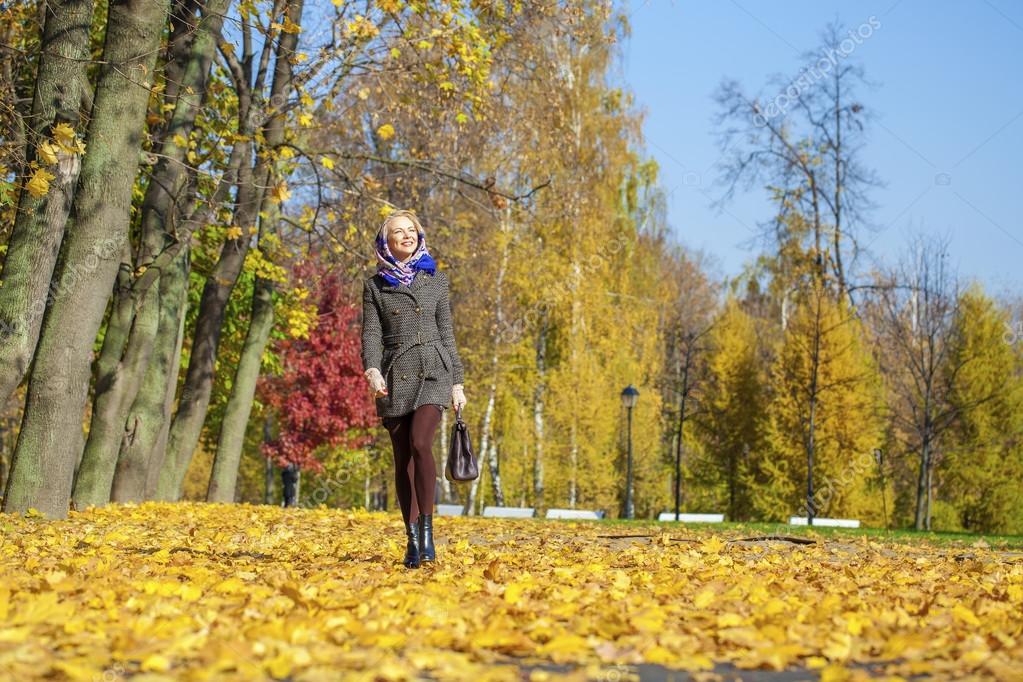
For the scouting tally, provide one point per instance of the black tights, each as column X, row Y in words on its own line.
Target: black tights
column 412, row 440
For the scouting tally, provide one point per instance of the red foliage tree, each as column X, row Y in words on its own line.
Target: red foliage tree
column 321, row 398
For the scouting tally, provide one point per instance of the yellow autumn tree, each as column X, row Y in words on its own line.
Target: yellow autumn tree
column 730, row 425
column 561, row 322
column 980, row 474
column 825, row 409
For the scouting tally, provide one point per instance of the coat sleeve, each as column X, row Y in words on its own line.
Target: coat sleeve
column 372, row 334
column 447, row 331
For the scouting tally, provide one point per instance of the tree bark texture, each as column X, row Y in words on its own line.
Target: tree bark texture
column 51, row 439
column 39, row 224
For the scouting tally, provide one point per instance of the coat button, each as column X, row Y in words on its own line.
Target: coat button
column 404, row 376
column 420, row 374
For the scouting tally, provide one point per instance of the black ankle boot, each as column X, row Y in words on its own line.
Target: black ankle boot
column 412, row 555
column 426, row 551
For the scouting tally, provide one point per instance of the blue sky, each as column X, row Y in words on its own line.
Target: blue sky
column 948, row 102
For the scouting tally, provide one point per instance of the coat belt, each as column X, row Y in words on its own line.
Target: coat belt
column 406, row 342
column 410, row 338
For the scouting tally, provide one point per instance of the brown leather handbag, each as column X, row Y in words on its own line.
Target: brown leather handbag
column 462, row 464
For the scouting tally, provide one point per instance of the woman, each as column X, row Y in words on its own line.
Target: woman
column 412, row 366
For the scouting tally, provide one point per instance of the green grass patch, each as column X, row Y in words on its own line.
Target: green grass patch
column 902, row 535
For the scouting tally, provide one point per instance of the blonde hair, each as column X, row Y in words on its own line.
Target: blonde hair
column 397, row 214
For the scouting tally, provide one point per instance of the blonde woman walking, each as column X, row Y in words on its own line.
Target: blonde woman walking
column 412, row 366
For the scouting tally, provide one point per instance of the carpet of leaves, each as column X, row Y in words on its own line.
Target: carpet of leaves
column 210, row 591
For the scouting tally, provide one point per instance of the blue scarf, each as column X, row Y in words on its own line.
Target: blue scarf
column 396, row 272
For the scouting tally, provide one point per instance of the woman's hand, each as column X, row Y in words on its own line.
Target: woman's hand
column 376, row 382
column 457, row 396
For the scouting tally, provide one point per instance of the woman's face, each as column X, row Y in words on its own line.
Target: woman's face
column 402, row 238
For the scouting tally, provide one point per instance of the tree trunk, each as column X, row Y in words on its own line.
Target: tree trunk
column 681, row 433
column 487, row 431
column 839, row 188
column 445, row 484
column 495, row 474
column 930, row 471
column 116, row 390
column 480, row 492
column 132, row 328
column 920, row 521
column 39, row 224
column 486, row 439
column 811, row 438
column 195, row 396
column 469, row 508
column 51, row 439
column 149, row 416
column 538, row 412
column 243, row 390
column 268, row 492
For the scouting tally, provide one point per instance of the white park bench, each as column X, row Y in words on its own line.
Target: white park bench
column 821, row 521
column 575, row 514
column 450, row 510
column 509, row 512
column 692, row 518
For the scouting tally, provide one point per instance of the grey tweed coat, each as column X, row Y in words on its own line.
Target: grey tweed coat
column 407, row 334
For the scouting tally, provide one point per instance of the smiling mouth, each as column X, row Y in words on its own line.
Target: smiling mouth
column 406, row 243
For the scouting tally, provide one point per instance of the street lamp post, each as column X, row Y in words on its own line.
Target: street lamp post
column 629, row 395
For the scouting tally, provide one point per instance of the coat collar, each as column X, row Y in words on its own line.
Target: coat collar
column 421, row 280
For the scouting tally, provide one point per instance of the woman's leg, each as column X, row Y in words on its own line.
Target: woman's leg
column 424, row 426
column 399, row 429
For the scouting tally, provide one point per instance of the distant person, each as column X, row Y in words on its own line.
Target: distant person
column 412, row 366
column 289, row 477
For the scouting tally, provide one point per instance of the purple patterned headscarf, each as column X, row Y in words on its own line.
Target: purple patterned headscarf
column 397, row 272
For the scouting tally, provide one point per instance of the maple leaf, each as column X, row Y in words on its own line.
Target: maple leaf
column 280, row 192
column 64, row 134
column 47, row 152
column 39, row 184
